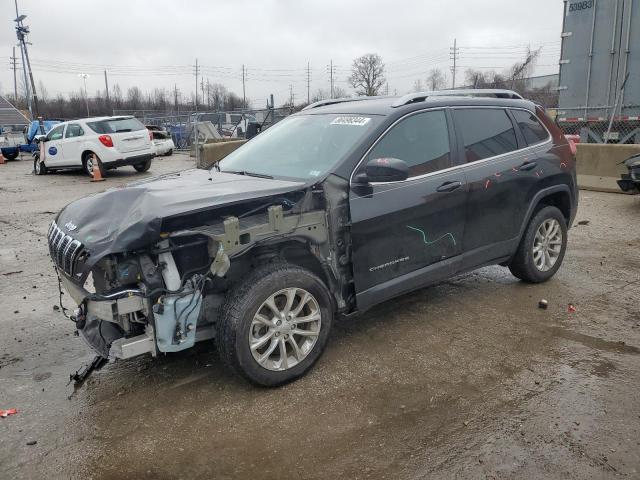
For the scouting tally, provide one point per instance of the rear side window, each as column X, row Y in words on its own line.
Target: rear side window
column 116, row 125
column 530, row 127
column 486, row 132
column 421, row 140
column 73, row 130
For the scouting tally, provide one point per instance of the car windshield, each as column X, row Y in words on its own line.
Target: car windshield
column 300, row 147
column 116, row 125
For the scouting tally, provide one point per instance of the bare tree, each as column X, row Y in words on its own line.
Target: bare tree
column 475, row 79
column 417, row 86
column 367, row 74
column 436, row 80
column 519, row 71
column 320, row 94
column 43, row 93
column 135, row 98
column 339, row 92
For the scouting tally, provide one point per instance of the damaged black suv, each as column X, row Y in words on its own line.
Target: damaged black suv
column 339, row 207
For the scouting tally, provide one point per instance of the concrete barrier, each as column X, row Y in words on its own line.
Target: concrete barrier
column 599, row 166
column 211, row 153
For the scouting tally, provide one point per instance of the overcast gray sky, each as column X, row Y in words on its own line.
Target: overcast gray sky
column 155, row 43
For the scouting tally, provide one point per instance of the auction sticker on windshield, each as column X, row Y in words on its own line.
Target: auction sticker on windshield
column 355, row 121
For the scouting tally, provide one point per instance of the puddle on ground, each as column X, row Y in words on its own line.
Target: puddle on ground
column 596, row 343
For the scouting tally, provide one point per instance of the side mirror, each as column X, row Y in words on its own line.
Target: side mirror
column 40, row 138
column 385, row 170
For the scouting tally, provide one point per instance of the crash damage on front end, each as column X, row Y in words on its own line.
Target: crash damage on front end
column 149, row 265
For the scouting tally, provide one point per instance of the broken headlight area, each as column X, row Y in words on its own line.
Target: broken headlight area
column 145, row 303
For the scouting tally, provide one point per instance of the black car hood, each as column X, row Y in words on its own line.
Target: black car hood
column 131, row 217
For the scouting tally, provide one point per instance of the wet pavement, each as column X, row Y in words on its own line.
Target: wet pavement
column 467, row 379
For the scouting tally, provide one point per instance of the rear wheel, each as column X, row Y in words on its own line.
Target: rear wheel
column 542, row 247
column 275, row 325
column 169, row 153
column 11, row 156
column 90, row 161
column 143, row 167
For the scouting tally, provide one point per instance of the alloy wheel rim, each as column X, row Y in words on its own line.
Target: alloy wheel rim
column 90, row 165
column 285, row 329
column 547, row 245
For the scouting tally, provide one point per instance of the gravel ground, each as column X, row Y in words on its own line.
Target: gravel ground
column 467, row 379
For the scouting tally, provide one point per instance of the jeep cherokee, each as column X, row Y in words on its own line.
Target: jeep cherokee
column 337, row 208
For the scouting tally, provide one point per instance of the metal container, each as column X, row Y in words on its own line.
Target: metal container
column 600, row 47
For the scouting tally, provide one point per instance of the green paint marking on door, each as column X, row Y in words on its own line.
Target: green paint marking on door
column 427, row 242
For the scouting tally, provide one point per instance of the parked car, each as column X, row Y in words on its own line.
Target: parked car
column 162, row 141
column 104, row 142
column 630, row 182
column 10, row 136
column 333, row 210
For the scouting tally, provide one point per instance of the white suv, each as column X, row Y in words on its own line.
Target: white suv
column 108, row 142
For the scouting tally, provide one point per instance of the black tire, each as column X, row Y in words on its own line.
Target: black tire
column 87, row 162
column 243, row 302
column 11, row 156
column 169, row 153
column 39, row 168
column 522, row 265
column 143, row 167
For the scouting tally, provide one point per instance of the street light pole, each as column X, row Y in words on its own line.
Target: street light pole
column 84, row 77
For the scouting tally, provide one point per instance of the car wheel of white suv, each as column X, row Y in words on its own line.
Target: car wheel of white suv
column 90, row 161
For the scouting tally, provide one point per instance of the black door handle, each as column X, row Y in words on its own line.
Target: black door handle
column 528, row 166
column 449, row 186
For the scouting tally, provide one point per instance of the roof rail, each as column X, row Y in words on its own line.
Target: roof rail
column 474, row 92
column 333, row 101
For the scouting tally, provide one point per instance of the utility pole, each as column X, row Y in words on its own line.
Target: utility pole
column 291, row 96
column 106, row 88
column 202, row 88
column 308, row 83
column 14, row 64
column 331, row 69
column 84, row 77
column 22, row 31
column 244, row 96
column 453, row 55
column 175, row 97
column 208, row 96
column 196, row 71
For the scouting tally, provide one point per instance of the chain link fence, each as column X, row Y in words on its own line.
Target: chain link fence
column 595, row 128
column 185, row 127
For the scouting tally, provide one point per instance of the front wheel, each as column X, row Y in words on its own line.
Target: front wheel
column 143, row 167
column 39, row 167
column 542, row 247
column 11, row 156
column 275, row 325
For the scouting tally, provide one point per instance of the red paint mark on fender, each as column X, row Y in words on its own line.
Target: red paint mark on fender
column 486, row 184
column 498, row 174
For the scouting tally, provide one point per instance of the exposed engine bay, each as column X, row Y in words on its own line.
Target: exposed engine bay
column 165, row 296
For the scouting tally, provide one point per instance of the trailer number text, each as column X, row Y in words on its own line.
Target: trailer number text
column 574, row 7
